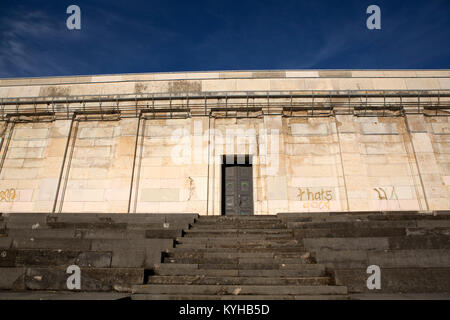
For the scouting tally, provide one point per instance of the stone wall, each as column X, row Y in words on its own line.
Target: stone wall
column 159, row 165
column 299, row 164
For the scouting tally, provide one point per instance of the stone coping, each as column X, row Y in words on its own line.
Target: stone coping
column 242, row 74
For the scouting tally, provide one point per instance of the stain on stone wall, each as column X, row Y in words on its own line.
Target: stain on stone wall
column 140, row 87
column 180, row 86
column 54, row 91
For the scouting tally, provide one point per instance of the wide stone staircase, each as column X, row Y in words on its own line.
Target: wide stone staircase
column 317, row 255
column 239, row 258
column 113, row 251
column 412, row 249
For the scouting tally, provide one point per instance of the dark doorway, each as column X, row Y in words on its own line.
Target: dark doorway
column 237, row 185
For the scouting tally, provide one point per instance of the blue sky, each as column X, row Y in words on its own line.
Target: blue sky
column 163, row 35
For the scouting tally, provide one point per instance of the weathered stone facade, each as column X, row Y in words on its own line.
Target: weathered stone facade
column 334, row 158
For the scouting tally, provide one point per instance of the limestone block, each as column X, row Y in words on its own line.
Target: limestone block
column 47, row 189
column 20, row 174
column 24, row 195
column 104, row 142
column 33, row 163
column 422, row 142
column 389, row 170
column 329, row 181
column 276, row 188
column 42, row 206
column 30, row 133
column 159, row 195
column 97, row 173
column 377, row 127
column 312, row 149
column 444, row 83
column 146, row 207
column 314, row 171
column 441, row 128
column 85, row 195
column 416, row 123
column 219, row 85
column 376, row 148
column 357, row 194
column 95, row 207
column 94, row 152
column 307, row 129
column 422, row 84
column 318, row 84
column 37, row 143
column 345, row 127
column 327, row 160
column 21, row 206
column 287, row 84
column 13, row 163
column 252, row 84
column 23, row 91
column 446, row 180
column 117, row 194
column 389, row 84
column 19, row 144
column 4, row 92
column 69, row 206
column 125, row 146
column 302, row 74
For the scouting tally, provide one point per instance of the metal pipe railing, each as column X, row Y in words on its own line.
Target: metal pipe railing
column 130, row 105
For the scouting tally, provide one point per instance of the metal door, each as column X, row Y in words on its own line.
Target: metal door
column 238, row 190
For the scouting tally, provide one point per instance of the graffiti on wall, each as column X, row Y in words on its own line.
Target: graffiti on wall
column 386, row 193
column 316, row 198
column 316, row 194
column 9, row 195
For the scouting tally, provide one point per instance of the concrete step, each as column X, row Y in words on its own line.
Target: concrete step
column 241, row 247
column 51, row 243
column 405, row 216
column 237, row 240
column 382, row 243
column 353, row 224
column 417, row 258
column 349, row 232
column 222, row 226
column 77, row 233
column 254, row 266
column 238, row 218
column 231, row 254
column 163, row 233
column 30, row 233
column 87, row 225
column 238, row 261
column 237, row 297
column 46, row 257
column 219, row 231
column 238, row 290
column 419, row 242
column 5, row 242
column 237, row 249
column 123, row 218
column 55, row 278
column 428, row 231
column 63, row 295
column 211, row 280
column 394, row 280
column 306, row 270
column 242, row 236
